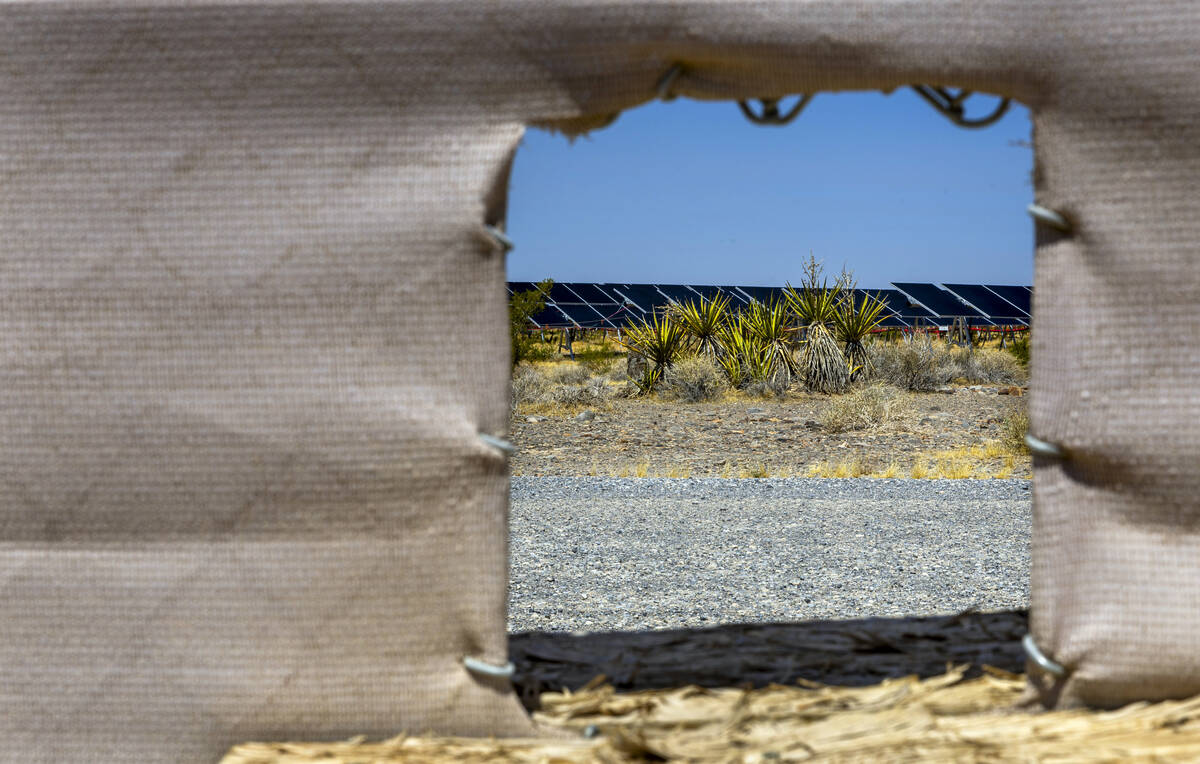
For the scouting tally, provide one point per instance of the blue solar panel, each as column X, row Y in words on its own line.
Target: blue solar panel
column 560, row 293
column 677, row 293
column 583, row 315
column 1019, row 296
column 988, row 303
column 521, row 286
column 608, row 291
column 763, row 294
column 704, row 292
column 860, row 294
column 939, row 301
column 643, row 296
column 610, row 305
column 901, row 305
column 547, row 317
column 736, row 298
column 588, row 293
column 892, row 321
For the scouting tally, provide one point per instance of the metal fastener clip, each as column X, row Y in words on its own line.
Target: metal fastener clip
column 1044, row 448
column 668, row 81
column 499, row 444
column 503, row 243
column 1049, row 217
column 477, row 666
column 1037, row 656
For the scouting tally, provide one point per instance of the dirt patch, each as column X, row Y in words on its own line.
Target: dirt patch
column 959, row 433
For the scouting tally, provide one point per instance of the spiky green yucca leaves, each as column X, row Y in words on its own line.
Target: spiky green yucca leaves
column 852, row 322
column 813, row 303
column 745, row 357
column 659, row 340
column 822, row 366
column 732, row 346
column 770, row 324
column 702, row 321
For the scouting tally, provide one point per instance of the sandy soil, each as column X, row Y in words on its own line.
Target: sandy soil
column 954, row 433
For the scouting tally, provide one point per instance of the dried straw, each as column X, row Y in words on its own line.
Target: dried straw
column 941, row 719
column 762, row 705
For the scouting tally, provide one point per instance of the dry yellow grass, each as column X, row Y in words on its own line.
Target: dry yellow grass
column 971, row 462
column 755, row 471
column 939, row 719
column 846, row 468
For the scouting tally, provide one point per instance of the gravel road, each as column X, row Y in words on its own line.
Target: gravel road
column 594, row 554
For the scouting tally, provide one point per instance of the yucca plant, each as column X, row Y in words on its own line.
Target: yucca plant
column 658, row 340
column 852, row 322
column 732, row 344
column 702, row 321
column 815, row 305
column 771, row 326
column 823, row 368
column 746, row 358
column 760, row 364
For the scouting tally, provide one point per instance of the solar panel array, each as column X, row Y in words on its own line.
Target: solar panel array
column 578, row 305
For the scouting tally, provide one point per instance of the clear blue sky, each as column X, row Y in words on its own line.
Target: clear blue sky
column 691, row 192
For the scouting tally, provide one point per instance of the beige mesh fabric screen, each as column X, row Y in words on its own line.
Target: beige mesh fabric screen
column 252, row 328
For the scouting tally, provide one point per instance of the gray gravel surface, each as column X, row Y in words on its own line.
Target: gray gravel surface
column 594, row 554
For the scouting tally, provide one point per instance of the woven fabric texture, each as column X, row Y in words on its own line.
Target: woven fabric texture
column 252, row 325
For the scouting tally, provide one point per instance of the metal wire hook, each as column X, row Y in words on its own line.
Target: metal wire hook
column 666, row 84
column 770, row 111
column 951, row 105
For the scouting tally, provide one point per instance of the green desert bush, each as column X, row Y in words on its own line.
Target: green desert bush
column 864, row 408
column 917, row 363
column 693, row 379
column 1018, row 348
column 522, row 306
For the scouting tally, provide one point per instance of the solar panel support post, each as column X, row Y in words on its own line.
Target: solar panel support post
column 566, row 343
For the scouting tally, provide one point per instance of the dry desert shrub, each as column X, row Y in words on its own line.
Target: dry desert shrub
column 864, row 408
column 567, row 374
column 999, row 367
column 528, row 386
column 917, row 363
column 563, row 385
column 1013, row 430
column 693, row 379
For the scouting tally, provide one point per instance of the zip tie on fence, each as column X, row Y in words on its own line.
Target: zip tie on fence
column 1044, row 448
column 476, row 666
column 1049, row 217
column 667, row 81
column 503, row 243
column 499, row 444
column 1037, row 656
